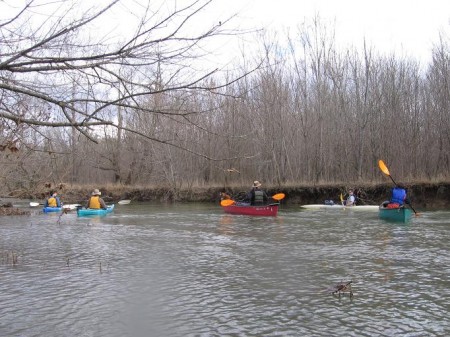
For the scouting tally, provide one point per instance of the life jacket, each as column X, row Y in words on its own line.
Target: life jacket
column 52, row 202
column 259, row 197
column 349, row 200
column 94, row 202
column 398, row 195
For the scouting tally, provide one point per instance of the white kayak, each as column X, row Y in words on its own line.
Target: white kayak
column 337, row 206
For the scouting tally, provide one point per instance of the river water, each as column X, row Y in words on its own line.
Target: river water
column 191, row 270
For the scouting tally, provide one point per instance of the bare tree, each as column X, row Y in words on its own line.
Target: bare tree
column 144, row 109
column 54, row 54
column 439, row 109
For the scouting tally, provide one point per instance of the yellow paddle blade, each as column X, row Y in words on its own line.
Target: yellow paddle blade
column 341, row 197
column 383, row 167
column 278, row 196
column 227, row 202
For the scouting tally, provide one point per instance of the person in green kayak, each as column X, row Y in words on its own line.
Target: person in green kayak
column 95, row 202
column 257, row 196
column 53, row 200
column 398, row 197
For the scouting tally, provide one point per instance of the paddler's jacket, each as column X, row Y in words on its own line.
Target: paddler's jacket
column 95, row 202
column 398, row 195
column 53, row 202
column 257, row 197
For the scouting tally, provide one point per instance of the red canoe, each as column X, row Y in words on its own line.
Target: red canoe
column 267, row 210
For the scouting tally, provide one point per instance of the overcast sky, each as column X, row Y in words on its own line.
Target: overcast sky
column 406, row 27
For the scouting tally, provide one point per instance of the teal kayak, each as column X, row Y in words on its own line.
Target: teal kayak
column 91, row 211
column 51, row 209
column 401, row 214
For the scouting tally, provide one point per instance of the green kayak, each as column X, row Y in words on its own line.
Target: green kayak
column 401, row 214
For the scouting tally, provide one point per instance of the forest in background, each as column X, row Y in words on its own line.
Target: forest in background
column 299, row 111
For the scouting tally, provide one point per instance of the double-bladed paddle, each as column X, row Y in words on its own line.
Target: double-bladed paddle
column 385, row 170
column 229, row 202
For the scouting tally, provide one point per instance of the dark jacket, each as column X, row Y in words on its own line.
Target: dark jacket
column 257, row 197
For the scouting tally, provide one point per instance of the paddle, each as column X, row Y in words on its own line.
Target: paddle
column 71, row 206
column 124, row 202
column 229, row 202
column 278, row 196
column 67, row 206
column 342, row 199
column 385, row 170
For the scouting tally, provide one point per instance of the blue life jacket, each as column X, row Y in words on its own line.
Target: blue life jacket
column 398, row 195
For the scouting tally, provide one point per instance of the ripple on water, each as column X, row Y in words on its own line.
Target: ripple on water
column 191, row 270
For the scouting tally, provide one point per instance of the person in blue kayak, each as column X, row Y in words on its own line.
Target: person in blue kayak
column 53, row 200
column 257, row 196
column 95, row 201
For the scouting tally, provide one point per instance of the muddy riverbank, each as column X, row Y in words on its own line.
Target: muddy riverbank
column 422, row 195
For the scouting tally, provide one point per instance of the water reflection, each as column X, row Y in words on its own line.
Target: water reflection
column 191, row 270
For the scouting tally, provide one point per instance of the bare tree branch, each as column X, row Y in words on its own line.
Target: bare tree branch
column 46, row 65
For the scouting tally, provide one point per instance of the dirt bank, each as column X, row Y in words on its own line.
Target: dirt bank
column 8, row 209
column 422, row 195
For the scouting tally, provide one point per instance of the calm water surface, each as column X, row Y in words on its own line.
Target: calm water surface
column 190, row 270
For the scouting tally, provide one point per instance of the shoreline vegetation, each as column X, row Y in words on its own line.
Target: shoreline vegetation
column 424, row 195
column 130, row 112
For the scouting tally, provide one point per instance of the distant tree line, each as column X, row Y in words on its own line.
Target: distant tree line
column 302, row 111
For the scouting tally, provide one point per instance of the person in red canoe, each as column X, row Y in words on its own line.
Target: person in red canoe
column 257, row 196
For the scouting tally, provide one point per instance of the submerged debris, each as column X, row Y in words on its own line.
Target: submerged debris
column 9, row 257
column 341, row 288
column 8, row 209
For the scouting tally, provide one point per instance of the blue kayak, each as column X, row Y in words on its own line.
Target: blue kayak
column 91, row 211
column 51, row 209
